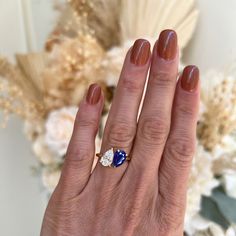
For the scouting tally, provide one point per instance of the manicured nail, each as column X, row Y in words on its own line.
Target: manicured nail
column 140, row 52
column 190, row 78
column 94, row 94
column 167, row 45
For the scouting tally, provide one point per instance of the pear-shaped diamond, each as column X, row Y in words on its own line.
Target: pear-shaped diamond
column 107, row 158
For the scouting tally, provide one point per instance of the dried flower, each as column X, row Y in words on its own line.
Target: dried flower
column 18, row 94
column 105, row 27
column 73, row 65
column 219, row 118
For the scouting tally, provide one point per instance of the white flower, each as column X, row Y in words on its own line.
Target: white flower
column 50, row 179
column 213, row 79
column 59, row 128
column 202, row 110
column 201, row 182
column 231, row 231
column 200, row 226
column 228, row 145
column 113, row 62
column 229, row 182
column 42, row 151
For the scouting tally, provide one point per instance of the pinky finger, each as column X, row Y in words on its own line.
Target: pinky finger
column 81, row 151
column 180, row 146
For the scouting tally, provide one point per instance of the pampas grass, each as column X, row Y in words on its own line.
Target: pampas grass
column 102, row 17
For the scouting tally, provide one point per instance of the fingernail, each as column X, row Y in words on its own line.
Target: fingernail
column 140, row 52
column 94, row 94
column 190, row 78
column 167, row 45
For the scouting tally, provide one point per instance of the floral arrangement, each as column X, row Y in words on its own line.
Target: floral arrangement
column 88, row 44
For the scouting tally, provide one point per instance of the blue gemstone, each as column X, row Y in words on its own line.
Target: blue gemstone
column 119, row 158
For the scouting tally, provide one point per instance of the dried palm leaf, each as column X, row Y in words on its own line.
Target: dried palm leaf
column 18, row 94
column 33, row 65
column 147, row 18
column 16, row 76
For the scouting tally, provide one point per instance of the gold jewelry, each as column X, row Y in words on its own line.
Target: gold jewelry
column 114, row 157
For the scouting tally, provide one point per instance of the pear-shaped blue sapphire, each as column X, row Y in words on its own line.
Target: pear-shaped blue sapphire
column 119, row 158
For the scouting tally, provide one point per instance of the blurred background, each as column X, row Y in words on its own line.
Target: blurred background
column 24, row 27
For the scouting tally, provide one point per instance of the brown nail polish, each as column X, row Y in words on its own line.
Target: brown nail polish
column 94, row 94
column 190, row 78
column 140, row 52
column 167, row 45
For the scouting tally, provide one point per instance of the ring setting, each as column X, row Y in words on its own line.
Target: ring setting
column 113, row 158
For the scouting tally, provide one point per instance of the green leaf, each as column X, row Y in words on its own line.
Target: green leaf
column 210, row 210
column 226, row 204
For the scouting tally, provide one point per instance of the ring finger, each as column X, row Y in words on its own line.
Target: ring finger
column 120, row 128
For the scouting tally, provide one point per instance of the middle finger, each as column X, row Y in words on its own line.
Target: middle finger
column 155, row 118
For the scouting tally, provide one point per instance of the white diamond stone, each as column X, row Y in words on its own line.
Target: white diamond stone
column 107, row 158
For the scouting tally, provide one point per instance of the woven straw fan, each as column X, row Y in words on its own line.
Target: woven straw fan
column 147, row 18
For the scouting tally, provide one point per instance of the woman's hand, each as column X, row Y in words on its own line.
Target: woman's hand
column 146, row 196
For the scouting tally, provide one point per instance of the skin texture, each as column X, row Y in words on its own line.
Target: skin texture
column 146, row 196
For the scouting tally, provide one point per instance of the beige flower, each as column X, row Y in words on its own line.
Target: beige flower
column 219, row 117
column 50, row 179
column 59, row 128
column 43, row 153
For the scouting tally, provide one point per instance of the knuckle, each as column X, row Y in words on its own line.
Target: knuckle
column 131, row 84
column 186, row 109
column 181, row 151
column 87, row 123
column 120, row 134
column 164, row 79
column 77, row 155
column 154, row 131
